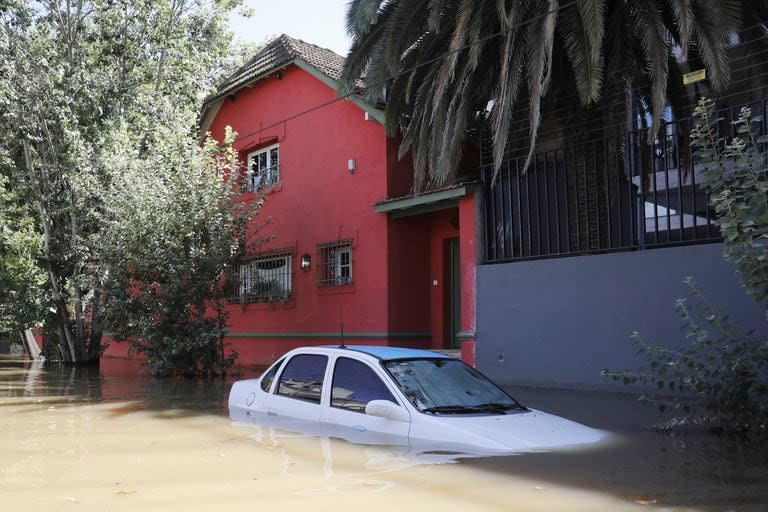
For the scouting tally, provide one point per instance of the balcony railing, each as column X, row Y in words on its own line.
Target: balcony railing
column 255, row 181
column 613, row 193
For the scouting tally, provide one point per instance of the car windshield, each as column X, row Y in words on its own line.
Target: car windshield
column 448, row 386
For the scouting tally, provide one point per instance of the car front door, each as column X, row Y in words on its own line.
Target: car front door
column 354, row 383
column 294, row 404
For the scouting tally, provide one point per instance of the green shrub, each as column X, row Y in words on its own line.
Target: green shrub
column 720, row 378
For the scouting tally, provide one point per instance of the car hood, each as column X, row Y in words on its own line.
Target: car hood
column 516, row 432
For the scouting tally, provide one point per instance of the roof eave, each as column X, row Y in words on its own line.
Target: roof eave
column 364, row 105
column 212, row 104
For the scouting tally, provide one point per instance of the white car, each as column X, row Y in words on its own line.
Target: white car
column 424, row 400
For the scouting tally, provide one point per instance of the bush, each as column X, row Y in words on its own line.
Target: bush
column 173, row 237
column 719, row 379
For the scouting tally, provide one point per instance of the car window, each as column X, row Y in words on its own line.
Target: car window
column 266, row 380
column 435, row 384
column 355, row 384
column 303, row 377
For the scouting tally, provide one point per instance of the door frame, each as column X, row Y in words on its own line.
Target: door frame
column 452, row 293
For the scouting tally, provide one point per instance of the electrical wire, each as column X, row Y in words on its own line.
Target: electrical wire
column 407, row 70
column 480, row 41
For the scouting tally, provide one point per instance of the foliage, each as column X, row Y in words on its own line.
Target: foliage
column 736, row 176
column 173, row 236
column 721, row 377
column 448, row 66
column 23, row 295
column 84, row 84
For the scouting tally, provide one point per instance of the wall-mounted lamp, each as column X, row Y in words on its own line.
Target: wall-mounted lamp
column 351, row 166
column 306, row 262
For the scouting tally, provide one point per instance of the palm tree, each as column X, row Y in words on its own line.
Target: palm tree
column 441, row 64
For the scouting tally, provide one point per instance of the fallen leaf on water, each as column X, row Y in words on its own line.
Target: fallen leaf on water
column 125, row 492
column 645, row 501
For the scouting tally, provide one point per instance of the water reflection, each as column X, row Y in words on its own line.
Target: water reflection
column 110, row 437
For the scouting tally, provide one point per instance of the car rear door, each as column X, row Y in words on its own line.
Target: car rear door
column 295, row 401
column 353, row 384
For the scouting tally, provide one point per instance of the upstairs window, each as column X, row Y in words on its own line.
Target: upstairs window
column 266, row 278
column 335, row 263
column 263, row 168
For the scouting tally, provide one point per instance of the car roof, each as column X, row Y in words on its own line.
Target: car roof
column 390, row 353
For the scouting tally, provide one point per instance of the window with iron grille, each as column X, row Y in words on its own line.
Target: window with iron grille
column 263, row 168
column 266, row 278
column 335, row 263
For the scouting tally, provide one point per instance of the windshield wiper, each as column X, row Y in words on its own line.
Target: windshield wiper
column 450, row 409
column 498, row 406
column 468, row 409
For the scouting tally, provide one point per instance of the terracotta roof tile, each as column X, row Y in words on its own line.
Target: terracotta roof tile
column 279, row 52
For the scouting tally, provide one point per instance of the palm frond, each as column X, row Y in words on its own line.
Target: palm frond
column 540, row 39
column 361, row 16
column 655, row 43
column 442, row 70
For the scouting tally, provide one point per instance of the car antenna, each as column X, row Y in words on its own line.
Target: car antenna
column 342, row 331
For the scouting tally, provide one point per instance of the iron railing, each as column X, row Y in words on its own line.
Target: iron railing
column 613, row 193
column 265, row 278
column 334, row 263
column 257, row 180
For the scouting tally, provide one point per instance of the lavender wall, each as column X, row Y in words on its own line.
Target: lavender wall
column 558, row 322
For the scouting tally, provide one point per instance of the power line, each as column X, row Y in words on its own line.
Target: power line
column 458, row 50
column 408, row 70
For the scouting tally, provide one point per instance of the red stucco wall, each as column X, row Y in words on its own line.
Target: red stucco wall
column 395, row 261
column 317, row 201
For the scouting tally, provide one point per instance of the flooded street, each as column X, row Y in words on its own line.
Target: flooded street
column 111, row 439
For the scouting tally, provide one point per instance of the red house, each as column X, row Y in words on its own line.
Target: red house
column 350, row 244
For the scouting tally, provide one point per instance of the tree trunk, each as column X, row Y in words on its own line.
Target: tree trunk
column 30, row 345
column 74, row 341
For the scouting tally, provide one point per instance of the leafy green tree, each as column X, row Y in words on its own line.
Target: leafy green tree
column 77, row 78
column 23, row 294
column 173, row 237
column 548, row 51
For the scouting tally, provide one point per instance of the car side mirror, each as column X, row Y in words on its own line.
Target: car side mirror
column 388, row 410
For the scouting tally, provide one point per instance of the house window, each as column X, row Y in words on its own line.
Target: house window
column 263, row 168
column 267, row 278
column 334, row 263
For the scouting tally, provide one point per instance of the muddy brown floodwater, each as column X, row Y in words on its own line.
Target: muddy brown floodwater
column 110, row 439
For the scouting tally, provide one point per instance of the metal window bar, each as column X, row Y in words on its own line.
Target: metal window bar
column 659, row 200
column 335, row 263
column 268, row 277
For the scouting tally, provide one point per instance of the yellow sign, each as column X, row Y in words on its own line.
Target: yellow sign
column 694, row 76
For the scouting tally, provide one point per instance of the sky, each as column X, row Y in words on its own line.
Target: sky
column 320, row 22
